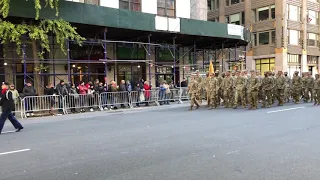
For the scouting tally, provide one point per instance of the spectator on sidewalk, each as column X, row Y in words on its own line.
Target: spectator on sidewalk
column 62, row 91
column 83, row 92
column 147, row 92
column 50, row 91
column 73, row 97
column 112, row 88
column 138, row 89
column 15, row 97
column 28, row 91
column 123, row 93
column 7, row 105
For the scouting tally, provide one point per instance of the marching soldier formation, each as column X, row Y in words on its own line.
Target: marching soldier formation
column 241, row 89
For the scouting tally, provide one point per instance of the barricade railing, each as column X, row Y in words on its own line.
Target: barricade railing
column 109, row 99
column 183, row 94
column 147, row 96
column 74, row 102
column 42, row 105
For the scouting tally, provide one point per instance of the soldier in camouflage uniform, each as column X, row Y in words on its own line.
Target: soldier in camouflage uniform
column 244, row 75
column 280, row 87
column 193, row 90
column 309, row 84
column 254, row 90
column 220, row 92
column 304, row 75
column 198, row 78
column 213, row 90
column 266, row 85
column 287, row 90
column 274, row 90
column 316, row 90
column 296, row 87
column 206, row 88
column 240, row 84
column 227, row 90
column 258, row 75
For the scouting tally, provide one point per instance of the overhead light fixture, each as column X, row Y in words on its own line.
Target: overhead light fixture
column 184, row 67
column 5, row 63
column 171, row 66
column 74, row 66
column 138, row 66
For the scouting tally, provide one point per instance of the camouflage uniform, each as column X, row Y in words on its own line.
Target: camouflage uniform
column 213, row 90
column 220, row 91
column 303, row 85
column 280, row 87
column 253, row 91
column 206, row 88
column 198, row 78
column 193, row 90
column 287, row 90
column 273, row 90
column 316, row 90
column 240, row 84
column 309, row 84
column 228, row 90
column 296, row 87
column 266, row 85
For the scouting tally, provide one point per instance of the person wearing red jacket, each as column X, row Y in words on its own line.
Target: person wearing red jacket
column 82, row 91
column 147, row 92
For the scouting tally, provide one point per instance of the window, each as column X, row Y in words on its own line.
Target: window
column 227, row 2
column 213, row 4
column 293, row 13
column 264, row 65
column 273, row 11
column 312, row 39
column 273, row 37
column 134, row 5
column 166, row 8
column 264, row 38
column 293, row 58
column 242, row 18
column 312, row 17
column 254, row 39
column 235, row 2
column 263, row 13
column 294, row 37
column 254, row 15
column 235, row 19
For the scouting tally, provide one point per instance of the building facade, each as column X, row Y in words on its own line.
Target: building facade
column 128, row 40
column 285, row 33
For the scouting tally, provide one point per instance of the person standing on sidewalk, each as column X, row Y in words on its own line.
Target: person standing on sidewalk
column 7, row 104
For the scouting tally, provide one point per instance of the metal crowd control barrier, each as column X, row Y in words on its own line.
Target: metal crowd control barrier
column 81, row 101
column 46, row 104
column 147, row 97
column 183, row 94
column 115, row 98
column 40, row 104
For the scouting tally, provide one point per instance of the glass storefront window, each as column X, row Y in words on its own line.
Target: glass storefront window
column 264, row 65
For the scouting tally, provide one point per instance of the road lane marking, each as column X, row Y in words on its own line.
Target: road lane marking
column 281, row 110
column 6, row 132
column 11, row 152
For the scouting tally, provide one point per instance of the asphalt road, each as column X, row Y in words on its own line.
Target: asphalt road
column 280, row 143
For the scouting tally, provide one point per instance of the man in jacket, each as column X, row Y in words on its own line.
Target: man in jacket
column 28, row 91
column 62, row 91
column 7, row 104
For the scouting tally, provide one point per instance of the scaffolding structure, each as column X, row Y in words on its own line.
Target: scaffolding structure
column 197, row 59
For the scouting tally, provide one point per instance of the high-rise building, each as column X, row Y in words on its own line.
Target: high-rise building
column 285, row 32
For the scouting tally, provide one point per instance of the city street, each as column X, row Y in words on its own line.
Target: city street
column 279, row 143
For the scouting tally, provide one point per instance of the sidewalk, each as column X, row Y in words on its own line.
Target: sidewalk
column 104, row 113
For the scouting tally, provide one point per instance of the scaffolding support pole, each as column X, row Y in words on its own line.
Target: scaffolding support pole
column 203, row 54
column 245, row 57
column 222, row 56
column 105, row 54
column 174, row 60
column 215, row 58
column 68, row 54
column 24, row 63
column 53, row 62
column 194, row 53
column 149, row 57
column 235, row 53
column 229, row 64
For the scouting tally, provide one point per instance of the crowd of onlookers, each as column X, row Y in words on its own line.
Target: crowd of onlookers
column 87, row 93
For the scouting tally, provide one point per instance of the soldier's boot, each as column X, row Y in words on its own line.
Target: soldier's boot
column 197, row 105
column 254, row 108
column 190, row 109
column 250, row 108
